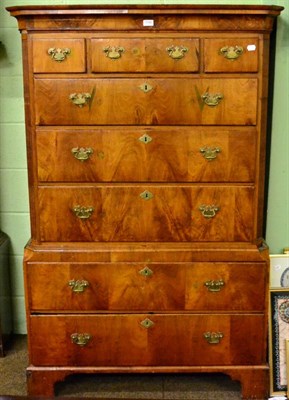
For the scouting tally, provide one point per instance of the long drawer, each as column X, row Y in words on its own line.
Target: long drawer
column 146, row 213
column 158, row 154
column 145, row 101
column 147, row 339
column 74, row 287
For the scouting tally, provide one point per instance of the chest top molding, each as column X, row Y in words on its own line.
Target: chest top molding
column 166, row 17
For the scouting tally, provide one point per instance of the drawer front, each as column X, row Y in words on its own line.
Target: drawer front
column 145, row 55
column 146, row 213
column 79, row 287
column 145, row 101
column 232, row 54
column 57, row 55
column 147, row 155
column 153, row 339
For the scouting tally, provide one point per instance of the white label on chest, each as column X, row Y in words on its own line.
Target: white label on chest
column 148, row 22
column 251, row 47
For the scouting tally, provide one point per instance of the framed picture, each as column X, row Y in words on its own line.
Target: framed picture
column 279, row 270
column 287, row 362
column 278, row 335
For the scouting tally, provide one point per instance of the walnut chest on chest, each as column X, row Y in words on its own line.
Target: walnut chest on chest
column 146, row 138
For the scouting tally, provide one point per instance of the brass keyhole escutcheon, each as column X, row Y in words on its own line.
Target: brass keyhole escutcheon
column 146, row 271
column 145, row 138
column 146, row 195
column 147, row 323
column 146, row 87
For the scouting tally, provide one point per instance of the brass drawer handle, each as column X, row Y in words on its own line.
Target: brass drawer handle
column 213, row 337
column 81, row 339
column 212, row 100
column 231, row 52
column 177, row 52
column 146, row 271
column 146, row 195
column 78, row 286
column 83, row 212
column 113, row 52
column 80, row 99
column 147, row 323
column 210, row 153
column 214, row 286
column 58, row 54
column 209, row 211
column 82, row 153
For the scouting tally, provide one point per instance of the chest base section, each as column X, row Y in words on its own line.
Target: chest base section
column 147, row 308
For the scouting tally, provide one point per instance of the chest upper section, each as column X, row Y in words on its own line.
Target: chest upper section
column 146, row 78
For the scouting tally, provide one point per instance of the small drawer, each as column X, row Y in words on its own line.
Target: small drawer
column 145, row 55
column 147, row 340
column 75, row 287
column 139, row 212
column 57, row 55
column 231, row 55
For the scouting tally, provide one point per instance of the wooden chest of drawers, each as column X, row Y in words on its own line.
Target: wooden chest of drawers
column 146, row 137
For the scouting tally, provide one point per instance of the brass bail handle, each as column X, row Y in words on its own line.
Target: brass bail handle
column 58, row 54
column 82, row 212
column 80, row 99
column 231, row 52
column 214, row 285
column 78, row 286
column 209, row 211
column 213, row 337
column 212, row 99
column 113, row 52
column 177, row 52
column 82, row 153
column 210, row 153
column 80, row 339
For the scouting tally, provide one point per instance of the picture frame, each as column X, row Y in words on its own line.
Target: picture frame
column 279, row 270
column 287, row 363
column 278, row 336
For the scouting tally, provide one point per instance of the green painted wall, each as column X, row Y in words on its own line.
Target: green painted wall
column 14, row 211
